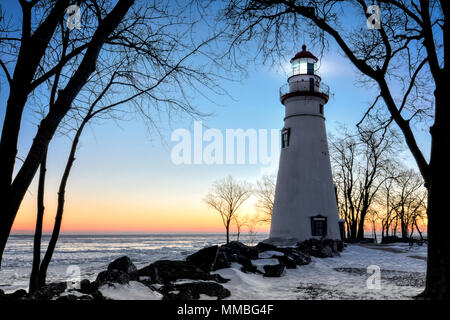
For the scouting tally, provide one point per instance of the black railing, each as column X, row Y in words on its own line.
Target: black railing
column 299, row 86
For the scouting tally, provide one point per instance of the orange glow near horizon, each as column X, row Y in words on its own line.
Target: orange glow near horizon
column 89, row 215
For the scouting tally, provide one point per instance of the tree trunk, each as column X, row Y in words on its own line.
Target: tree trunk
column 60, row 209
column 228, row 232
column 418, row 230
column 360, row 234
column 38, row 230
column 13, row 197
column 438, row 262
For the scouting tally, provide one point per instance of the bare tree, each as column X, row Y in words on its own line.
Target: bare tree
column 372, row 216
column 358, row 162
column 265, row 194
column 226, row 197
column 409, row 201
column 386, row 202
column 34, row 45
column 153, row 38
column 127, row 85
column 408, row 50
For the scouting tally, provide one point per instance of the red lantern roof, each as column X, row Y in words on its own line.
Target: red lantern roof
column 304, row 54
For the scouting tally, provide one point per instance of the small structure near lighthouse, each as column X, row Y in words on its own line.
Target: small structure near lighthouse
column 305, row 202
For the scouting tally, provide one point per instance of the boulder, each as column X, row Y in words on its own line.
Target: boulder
column 205, row 259
column 16, row 295
column 273, row 270
column 270, row 254
column 262, row 246
column 247, row 265
column 321, row 248
column 112, row 276
column 88, row 287
column 69, row 297
column 287, row 261
column 301, row 258
column 236, row 247
column 49, row 291
column 340, row 246
column 192, row 291
column 165, row 271
column 325, row 252
column 123, row 264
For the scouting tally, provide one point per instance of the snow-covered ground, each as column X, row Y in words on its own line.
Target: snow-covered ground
column 402, row 268
column 344, row 277
column 401, row 274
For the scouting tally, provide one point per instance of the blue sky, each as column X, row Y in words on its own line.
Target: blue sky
column 124, row 160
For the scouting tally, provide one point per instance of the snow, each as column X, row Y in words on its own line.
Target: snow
column 402, row 273
column 342, row 277
column 260, row 263
column 402, row 268
column 132, row 291
column 270, row 254
column 206, row 297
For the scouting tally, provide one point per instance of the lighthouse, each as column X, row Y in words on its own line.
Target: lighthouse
column 305, row 201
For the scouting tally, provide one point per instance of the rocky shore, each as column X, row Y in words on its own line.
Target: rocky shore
column 191, row 278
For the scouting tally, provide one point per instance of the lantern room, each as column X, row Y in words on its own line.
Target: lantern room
column 305, row 79
column 304, row 63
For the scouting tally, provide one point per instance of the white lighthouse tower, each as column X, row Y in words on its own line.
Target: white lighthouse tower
column 305, row 201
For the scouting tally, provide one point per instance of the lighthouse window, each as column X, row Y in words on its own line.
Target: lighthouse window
column 319, row 226
column 321, row 109
column 310, row 68
column 311, row 84
column 285, row 137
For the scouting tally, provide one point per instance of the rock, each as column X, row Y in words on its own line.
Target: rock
column 326, row 252
column 165, row 271
column 49, row 291
column 243, row 260
column 112, row 276
column 192, row 291
column 236, row 247
column 16, row 295
column 2, row 293
column 250, row 269
column 304, row 247
column 97, row 295
column 88, row 287
column 85, row 297
column 273, row 270
column 205, row 259
column 340, row 246
column 123, row 264
column 321, row 248
column 262, row 246
column 270, row 254
column 222, row 261
column 69, row 297
column 247, row 265
column 287, row 261
column 301, row 258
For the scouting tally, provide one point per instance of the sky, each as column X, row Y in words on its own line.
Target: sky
column 124, row 179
